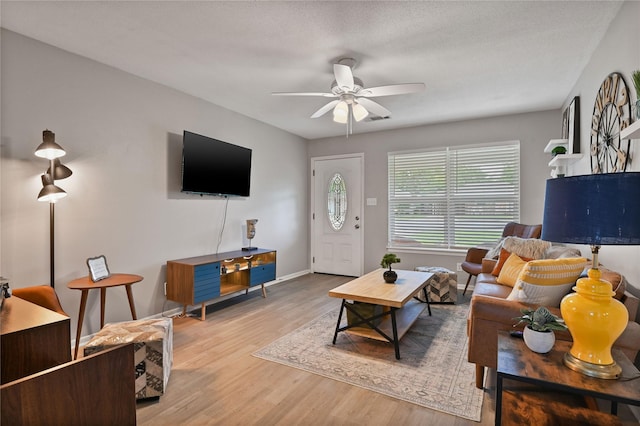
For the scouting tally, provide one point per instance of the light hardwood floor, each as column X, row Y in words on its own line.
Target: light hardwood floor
column 216, row 380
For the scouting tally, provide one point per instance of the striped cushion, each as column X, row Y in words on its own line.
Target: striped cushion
column 546, row 282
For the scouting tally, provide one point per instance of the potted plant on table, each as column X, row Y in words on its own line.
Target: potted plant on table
column 538, row 334
column 388, row 260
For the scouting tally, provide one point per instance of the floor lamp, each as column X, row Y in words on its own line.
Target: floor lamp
column 51, row 193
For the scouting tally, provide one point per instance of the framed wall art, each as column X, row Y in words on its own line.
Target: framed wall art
column 572, row 131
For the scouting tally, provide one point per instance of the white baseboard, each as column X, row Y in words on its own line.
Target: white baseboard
column 177, row 311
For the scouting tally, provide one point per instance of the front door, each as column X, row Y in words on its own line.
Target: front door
column 337, row 235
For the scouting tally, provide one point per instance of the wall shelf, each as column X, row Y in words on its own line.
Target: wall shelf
column 631, row 132
column 554, row 143
column 564, row 159
column 560, row 162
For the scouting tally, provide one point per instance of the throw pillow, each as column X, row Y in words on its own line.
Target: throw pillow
column 495, row 251
column 558, row 252
column 511, row 270
column 545, row 282
column 532, row 248
column 504, row 255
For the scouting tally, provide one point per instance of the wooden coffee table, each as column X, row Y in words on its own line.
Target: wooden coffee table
column 553, row 384
column 399, row 313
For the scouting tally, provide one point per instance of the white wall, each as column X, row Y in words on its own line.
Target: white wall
column 619, row 51
column 123, row 137
column 533, row 130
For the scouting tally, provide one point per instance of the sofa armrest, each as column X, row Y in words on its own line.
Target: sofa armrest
column 631, row 303
column 488, row 265
column 487, row 316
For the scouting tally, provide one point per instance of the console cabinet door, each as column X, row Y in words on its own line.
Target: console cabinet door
column 262, row 273
column 206, row 282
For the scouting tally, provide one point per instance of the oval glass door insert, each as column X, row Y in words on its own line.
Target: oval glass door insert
column 337, row 202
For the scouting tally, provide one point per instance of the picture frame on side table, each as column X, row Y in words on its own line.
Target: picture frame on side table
column 573, row 126
column 98, row 269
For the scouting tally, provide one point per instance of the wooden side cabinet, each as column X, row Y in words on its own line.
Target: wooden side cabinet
column 33, row 339
column 195, row 280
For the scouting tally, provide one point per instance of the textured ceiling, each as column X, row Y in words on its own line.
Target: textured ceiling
column 477, row 58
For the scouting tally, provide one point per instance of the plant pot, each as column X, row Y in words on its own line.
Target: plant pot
column 390, row 276
column 539, row 341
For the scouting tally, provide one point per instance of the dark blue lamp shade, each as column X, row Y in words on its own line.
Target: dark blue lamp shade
column 600, row 209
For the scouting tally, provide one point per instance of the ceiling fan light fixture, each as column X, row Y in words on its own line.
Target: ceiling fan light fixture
column 359, row 112
column 341, row 112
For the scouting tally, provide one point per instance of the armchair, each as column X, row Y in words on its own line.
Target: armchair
column 472, row 264
column 41, row 295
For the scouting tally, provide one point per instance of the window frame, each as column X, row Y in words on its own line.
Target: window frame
column 485, row 229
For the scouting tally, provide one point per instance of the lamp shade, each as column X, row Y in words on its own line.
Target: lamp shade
column 600, row 209
column 49, row 192
column 341, row 112
column 359, row 112
column 60, row 171
column 49, row 149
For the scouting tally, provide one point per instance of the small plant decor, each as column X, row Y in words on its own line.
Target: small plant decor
column 386, row 262
column 540, row 320
column 538, row 334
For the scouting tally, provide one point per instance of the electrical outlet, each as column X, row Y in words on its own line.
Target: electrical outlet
column 458, row 268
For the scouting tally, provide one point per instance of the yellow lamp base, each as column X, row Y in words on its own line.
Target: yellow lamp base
column 608, row 371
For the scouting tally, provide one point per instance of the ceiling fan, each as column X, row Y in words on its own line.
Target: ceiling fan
column 354, row 101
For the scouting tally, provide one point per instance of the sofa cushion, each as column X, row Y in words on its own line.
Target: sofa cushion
column 494, row 252
column 532, row 248
column 489, row 287
column 511, row 270
column 545, row 282
column 560, row 251
column 504, row 256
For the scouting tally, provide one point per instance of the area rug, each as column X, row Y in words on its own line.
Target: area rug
column 433, row 370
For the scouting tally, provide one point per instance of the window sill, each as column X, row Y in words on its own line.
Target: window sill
column 440, row 252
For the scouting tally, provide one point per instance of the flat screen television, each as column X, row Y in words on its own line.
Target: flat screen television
column 214, row 167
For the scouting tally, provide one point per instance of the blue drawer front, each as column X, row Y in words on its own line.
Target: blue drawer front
column 206, row 283
column 262, row 273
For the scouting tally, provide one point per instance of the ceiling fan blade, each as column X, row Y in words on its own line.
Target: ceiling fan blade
column 344, row 76
column 328, row 107
column 394, row 89
column 374, row 107
column 326, row 95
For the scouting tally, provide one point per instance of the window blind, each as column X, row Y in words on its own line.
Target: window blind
column 453, row 197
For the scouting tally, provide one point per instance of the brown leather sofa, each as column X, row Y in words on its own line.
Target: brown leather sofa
column 490, row 312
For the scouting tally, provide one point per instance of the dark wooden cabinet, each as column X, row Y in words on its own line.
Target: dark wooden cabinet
column 195, row 280
column 33, row 339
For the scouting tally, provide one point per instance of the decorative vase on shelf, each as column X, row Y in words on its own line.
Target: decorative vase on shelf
column 539, row 341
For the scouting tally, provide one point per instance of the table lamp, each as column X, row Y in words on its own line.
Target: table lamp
column 599, row 209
